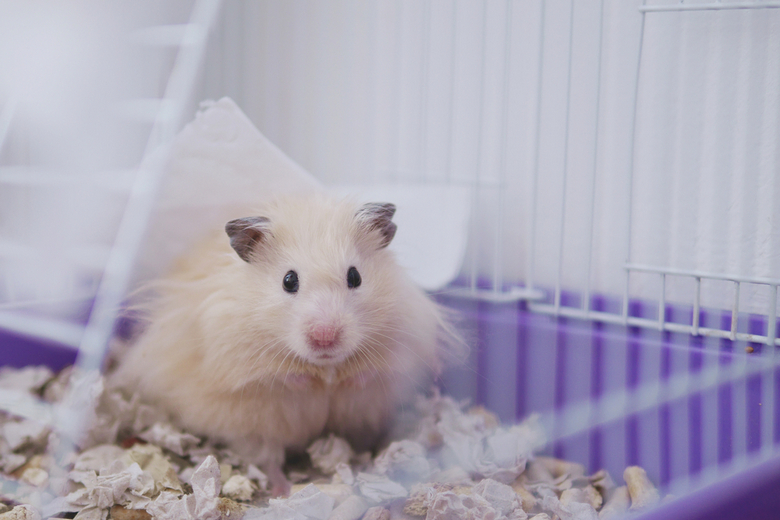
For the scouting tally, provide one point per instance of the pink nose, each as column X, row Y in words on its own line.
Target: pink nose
column 323, row 336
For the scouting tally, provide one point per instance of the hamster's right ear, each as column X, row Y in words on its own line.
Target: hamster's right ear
column 245, row 233
column 378, row 216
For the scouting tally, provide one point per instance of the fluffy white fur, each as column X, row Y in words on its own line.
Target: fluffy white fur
column 227, row 350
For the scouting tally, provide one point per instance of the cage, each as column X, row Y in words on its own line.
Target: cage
column 621, row 162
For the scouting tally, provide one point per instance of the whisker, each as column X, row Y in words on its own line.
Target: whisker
column 281, row 364
column 401, row 344
column 368, row 343
column 454, row 357
column 374, row 353
column 258, row 356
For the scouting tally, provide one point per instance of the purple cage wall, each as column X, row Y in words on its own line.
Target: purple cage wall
column 524, row 362
column 527, row 362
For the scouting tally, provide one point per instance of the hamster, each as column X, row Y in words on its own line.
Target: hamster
column 296, row 322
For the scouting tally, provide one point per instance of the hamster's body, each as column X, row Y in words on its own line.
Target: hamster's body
column 307, row 325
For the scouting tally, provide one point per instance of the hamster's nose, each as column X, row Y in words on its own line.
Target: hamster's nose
column 324, row 335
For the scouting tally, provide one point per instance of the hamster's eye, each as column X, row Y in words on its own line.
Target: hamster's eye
column 353, row 278
column 290, row 282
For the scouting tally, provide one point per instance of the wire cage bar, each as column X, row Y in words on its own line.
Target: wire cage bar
column 705, row 6
column 519, row 102
column 91, row 339
column 584, row 310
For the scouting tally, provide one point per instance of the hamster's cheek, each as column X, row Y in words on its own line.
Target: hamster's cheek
column 298, row 346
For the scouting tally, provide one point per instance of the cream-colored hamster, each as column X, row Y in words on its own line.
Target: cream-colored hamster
column 299, row 322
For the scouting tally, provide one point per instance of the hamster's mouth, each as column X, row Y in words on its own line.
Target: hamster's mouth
column 325, row 358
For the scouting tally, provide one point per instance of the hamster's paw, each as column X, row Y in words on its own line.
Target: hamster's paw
column 269, row 456
column 280, row 486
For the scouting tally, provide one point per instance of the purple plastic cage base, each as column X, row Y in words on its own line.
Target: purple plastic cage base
column 754, row 493
column 519, row 353
column 579, row 359
column 20, row 351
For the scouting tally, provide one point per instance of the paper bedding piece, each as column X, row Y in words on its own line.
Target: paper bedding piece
column 220, row 166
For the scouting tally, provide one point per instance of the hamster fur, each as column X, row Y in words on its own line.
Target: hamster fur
column 230, row 352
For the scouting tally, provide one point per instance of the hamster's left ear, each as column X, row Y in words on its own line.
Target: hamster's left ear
column 246, row 233
column 378, row 216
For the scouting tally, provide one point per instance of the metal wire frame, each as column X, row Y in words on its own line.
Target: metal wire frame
column 170, row 117
column 498, row 290
column 712, row 6
column 695, row 329
column 167, row 115
column 93, row 339
column 590, row 414
column 573, row 419
column 584, row 311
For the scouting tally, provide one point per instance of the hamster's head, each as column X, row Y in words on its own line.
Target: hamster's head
column 320, row 280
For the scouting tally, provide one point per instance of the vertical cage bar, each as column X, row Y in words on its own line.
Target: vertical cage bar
column 735, row 312
column 373, row 51
column 768, row 385
column 771, row 323
column 562, row 229
column 451, row 100
column 662, row 303
column 630, row 187
column 422, row 173
column 696, row 307
column 138, row 209
column 498, row 249
column 768, row 380
column 396, row 135
column 478, row 175
column 591, row 216
column 768, row 402
column 535, row 175
column 625, row 296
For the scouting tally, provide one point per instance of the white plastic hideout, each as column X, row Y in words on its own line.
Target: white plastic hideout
column 220, row 164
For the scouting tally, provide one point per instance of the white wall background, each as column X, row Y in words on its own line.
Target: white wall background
column 449, row 91
column 74, row 80
column 530, row 102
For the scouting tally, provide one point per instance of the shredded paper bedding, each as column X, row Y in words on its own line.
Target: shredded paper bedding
column 452, row 463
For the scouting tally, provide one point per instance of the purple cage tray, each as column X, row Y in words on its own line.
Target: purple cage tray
column 524, row 362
